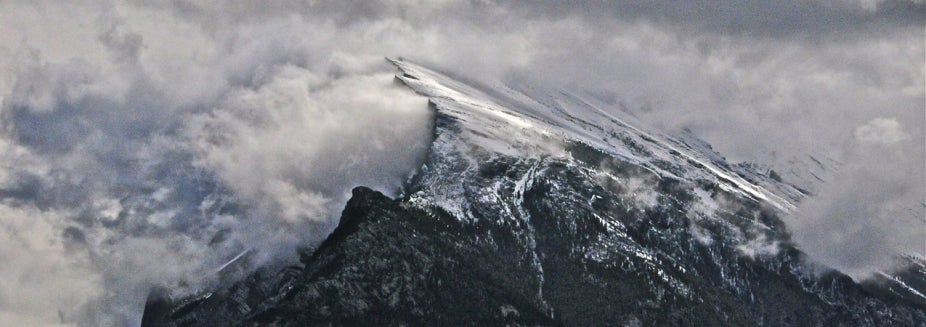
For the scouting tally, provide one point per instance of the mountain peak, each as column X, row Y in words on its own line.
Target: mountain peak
column 539, row 208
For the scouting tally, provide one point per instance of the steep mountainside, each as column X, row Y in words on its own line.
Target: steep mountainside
column 535, row 208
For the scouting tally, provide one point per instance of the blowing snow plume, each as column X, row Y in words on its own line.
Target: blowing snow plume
column 147, row 144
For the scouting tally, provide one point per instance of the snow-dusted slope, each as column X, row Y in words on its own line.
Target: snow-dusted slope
column 518, row 123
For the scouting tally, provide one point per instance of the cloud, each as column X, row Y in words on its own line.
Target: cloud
column 43, row 279
column 155, row 165
column 190, row 131
column 297, row 144
column 881, row 130
column 751, row 18
column 875, row 207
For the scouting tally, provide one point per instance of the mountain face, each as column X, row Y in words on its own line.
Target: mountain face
column 538, row 208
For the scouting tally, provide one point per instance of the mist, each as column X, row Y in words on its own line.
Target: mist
column 146, row 144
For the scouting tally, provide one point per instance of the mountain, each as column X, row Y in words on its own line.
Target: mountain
column 536, row 207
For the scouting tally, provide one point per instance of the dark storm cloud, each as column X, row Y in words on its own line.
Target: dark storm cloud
column 754, row 18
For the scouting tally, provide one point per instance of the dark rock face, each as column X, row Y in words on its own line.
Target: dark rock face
column 392, row 262
column 500, row 230
column 388, row 263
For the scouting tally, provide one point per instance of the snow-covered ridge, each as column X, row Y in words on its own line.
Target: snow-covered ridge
column 526, row 123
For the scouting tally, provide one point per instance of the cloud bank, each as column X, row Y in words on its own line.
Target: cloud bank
column 147, row 143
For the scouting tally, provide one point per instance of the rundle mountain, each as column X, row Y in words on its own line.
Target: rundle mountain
column 539, row 208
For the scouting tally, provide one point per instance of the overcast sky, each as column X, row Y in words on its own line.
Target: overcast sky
column 146, row 144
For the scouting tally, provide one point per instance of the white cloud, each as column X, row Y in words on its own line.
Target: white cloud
column 300, row 142
column 43, row 279
column 881, row 131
